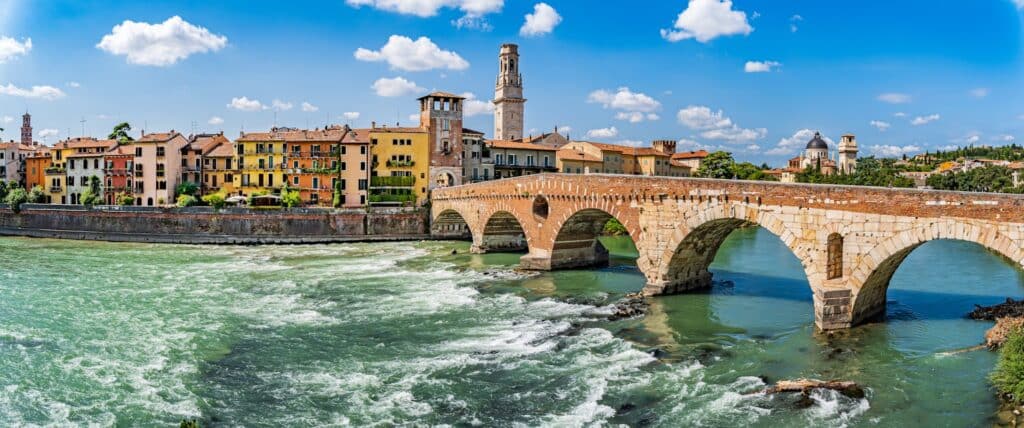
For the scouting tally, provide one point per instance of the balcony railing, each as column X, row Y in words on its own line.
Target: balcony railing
column 392, row 181
column 400, row 163
column 118, row 171
column 394, row 199
column 55, row 189
column 54, row 170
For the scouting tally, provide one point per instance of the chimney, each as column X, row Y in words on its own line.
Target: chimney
column 373, row 124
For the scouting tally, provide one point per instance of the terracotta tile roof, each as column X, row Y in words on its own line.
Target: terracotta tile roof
column 357, row 136
column 121, row 150
column 647, row 151
column 471, row 131
column 442, row 94
column 399, row 130
column 699, row 154
column 84, row 143
column 519, row 145
column 158, row 137
column 223, row 150
column 203, row 143
column 626, row 150
column 576, row 155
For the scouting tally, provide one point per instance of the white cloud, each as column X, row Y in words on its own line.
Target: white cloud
column 793, row 20
column 714, row 125
column 635, row 116
column 474, row 107
column 753, row 148
column 1019, row 3
column 7, row 119
column 160, row 44
column 894, row 98
column 611, row 132
column 46, row 133
column 473, row 23
column 795, row 143
column 630, row 143
column 705, row 20
column 48, row 93
column 10, row 48
column 564, row 129
column 625, row 100
column 245, row 104
column 890, row 151
column 402, row 53
column 216, row 120
column 414, row 118
column 923, row 120
column 281, row 105
column 980, row 92
column 686, row 144
column 1006, row 138
column 542, row 21
column 899, row 114
column 309, row 108
column 74, row 85
column 760, row 66
column 428, row 8
column 396, row 87
column 353, row 115
column 882, row 126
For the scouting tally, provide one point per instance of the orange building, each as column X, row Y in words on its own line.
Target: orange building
column 35, row 168
column 313, row 162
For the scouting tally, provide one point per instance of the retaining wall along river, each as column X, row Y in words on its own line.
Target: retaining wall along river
column 204, row 225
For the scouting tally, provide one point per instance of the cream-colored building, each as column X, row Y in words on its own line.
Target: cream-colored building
column 158, row 167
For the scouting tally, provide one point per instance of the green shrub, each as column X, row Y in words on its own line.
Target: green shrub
column 216, row 200
column 291, row 199
column 187, row 188
column 36, row 195
column 124, row 199
column 16, row 197
column 89, row 198
column 186, row 201
column 614, row 228
column 337, row 195
column 1008, row 377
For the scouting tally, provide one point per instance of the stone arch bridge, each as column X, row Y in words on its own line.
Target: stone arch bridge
column 850, row 240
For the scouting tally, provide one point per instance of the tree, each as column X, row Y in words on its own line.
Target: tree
column 124, row 199
column 188, row 188
column 36, row 195
column 337, row 194
column 92, row 195
column 120, row 133
column 186, row 200
column 291, row 199
column 717, row 165
column 3, row 189
column 15, row 198
column 1008, row 377
column 215, row 200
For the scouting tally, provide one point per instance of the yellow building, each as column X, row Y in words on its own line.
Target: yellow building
column 582, row 157
column 400, row 159
column 260, row 162
column 219, row 169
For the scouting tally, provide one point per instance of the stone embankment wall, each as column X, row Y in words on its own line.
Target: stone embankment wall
column 206, row 226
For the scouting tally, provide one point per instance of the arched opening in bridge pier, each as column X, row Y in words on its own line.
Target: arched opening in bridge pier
column 451, row 225
column 584, row 240
column 937, row 280
column 503, row 233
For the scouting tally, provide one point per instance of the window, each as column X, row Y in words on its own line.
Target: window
column 316, row 182
column 362, row 184
column 529, row 160
column 160, row 151
column 138, row 151
column 295, row 180
column 343, row 184
column 362, row 166
column 362, row 150
column 512, row 160
column 835, row 256
column 161, row 185
column 547, row 162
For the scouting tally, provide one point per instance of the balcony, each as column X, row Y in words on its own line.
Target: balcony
column 118, row 171
column 55, row 189
column 400, row 164
column 392, row 199
column 55, row 170
column 392, row 181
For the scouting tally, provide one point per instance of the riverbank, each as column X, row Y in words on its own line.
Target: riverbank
column 204, row 225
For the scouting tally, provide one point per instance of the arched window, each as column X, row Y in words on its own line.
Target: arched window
column 835, row 256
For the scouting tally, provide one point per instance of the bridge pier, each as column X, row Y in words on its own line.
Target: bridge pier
column 567, row 255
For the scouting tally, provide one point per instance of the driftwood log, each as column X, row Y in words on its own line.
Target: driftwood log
column 804, row 386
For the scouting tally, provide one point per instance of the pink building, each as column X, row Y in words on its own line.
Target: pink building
column 158, row 167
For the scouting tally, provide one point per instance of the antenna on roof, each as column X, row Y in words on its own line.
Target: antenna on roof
column 83, row 125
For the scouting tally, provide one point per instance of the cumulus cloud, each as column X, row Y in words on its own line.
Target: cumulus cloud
column 309, row 108
column 705, row 20
column 11, row 48
column 73, row 85
column 882, row 126
column 795, row 143
column 46, row 133
column 894, row 98
column 980, row 92
column 216, row 120
column 351, row 115
column 636, row 117
column 924, row 120
column 245, row 104
column 160, row 44
column 542, row 21
column 474, row 107
column 760, row 66
column 428, row 8
column 890, row 151
column 630, row 143
column 281, row 105
column 1006, row 138
column 793, row 20
column 48, row 93
column 714, row 125
column 625, row 100
column 396, row 87
column 402, row 53
column 611, row 132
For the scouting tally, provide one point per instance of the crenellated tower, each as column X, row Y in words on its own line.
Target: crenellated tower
column 26, row 129
column 847, row 154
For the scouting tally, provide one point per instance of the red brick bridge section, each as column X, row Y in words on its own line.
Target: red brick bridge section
column 850, row 240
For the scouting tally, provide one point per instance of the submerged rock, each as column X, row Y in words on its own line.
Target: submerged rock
column 631, row 307
column 1010, row 308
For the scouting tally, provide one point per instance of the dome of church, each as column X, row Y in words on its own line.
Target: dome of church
column 817, row 142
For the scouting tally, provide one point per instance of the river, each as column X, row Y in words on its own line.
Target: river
column 406, row 333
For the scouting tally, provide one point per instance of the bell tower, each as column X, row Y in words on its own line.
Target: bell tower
column 509, row 103
column 848, row 154
column 26, row 129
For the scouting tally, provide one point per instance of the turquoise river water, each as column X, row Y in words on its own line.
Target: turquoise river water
column 107, row 334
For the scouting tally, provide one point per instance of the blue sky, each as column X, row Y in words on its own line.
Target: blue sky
column 903, row 76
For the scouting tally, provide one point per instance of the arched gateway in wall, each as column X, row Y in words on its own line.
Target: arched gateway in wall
column 849, row 240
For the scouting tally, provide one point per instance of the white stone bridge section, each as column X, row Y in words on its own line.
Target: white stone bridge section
column 850, row 240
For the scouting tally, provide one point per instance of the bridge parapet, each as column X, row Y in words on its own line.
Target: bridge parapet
column 849, row 239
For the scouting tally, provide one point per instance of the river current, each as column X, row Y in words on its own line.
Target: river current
column 407, row 333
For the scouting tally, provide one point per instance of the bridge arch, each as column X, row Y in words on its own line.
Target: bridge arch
column 570, row 235
column 503, row 231
column 684, row 261
column 452, row 224
column 871, row 276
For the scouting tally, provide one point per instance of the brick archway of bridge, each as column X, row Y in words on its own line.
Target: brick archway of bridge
column 678, row 225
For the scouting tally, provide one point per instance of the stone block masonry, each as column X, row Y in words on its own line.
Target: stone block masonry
column 205, row 226
column 850, row 240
